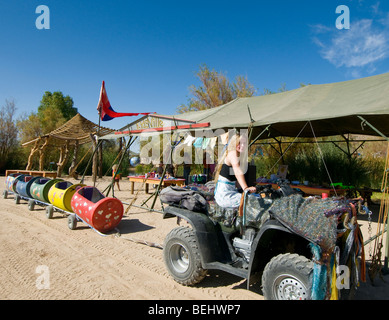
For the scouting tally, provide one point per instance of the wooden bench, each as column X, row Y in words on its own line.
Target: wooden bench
column 46, row 174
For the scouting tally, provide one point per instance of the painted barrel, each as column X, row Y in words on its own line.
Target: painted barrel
column 100, row 212
column 40, row 188
column 61, row 193
column 23, row 186
column 10, row 181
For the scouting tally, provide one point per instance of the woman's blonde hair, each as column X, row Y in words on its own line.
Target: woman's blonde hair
column 233, row 142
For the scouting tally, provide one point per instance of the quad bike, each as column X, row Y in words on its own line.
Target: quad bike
column 255, row 245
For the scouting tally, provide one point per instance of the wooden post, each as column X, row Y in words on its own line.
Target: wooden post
column 94, row 163
column 34, row 149
column 63, row 158
column 42, row 153
column 101, row 160
column 72, row 167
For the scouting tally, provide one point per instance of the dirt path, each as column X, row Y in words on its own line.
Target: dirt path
column 81, row 264
column 44, row 259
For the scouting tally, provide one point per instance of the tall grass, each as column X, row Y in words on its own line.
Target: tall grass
column 306, row 163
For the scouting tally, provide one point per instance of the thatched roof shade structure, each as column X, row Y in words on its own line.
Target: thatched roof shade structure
column 77, row 131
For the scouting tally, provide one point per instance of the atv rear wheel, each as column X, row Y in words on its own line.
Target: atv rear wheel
column 182, row 257
column 287, row 277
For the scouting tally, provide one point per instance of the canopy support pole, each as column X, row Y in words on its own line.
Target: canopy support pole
column 348, row 152
column 364, row 123
column 250, row 127
column 279, row 150
column 258, row 136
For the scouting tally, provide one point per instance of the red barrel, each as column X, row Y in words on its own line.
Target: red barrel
column 100, row 212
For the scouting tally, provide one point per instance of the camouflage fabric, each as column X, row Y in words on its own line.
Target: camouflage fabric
column 225, row 216
column 307, row 217
column 256, row 208
column 256, row 212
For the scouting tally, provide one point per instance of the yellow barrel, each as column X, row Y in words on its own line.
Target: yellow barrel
column 61, row 193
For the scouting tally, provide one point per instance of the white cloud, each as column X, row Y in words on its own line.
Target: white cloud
column 361, row 46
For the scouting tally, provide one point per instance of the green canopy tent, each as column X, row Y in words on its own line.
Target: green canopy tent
column 333, row 109
column 358, row 106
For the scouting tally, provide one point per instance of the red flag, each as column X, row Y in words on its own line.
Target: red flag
column 105, row 110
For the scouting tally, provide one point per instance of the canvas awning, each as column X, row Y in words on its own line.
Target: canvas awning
column 333, row 109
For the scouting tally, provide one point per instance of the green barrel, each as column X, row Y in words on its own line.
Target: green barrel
column 40, row 188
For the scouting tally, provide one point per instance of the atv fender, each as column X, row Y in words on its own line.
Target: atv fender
column 271, row 224
column 210, row 239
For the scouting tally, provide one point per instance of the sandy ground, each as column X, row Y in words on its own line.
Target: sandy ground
column 44, row 259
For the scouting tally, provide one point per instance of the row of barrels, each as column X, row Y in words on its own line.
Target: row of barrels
column 79, row 201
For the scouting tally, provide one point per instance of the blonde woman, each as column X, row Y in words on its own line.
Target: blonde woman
column 229, row 171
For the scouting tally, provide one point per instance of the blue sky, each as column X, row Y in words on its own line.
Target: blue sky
column 147, row 52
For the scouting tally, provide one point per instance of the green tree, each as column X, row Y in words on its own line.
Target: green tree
column 215, row 90
column 29, row 127
column 54, row 110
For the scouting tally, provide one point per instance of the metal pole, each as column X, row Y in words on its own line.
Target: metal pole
column 129, row 143
column 376, row 236
column 257, row 137
column 365, row 122
column 386, row 269
column 164, row 171
column 372, row 127
column 90, row 159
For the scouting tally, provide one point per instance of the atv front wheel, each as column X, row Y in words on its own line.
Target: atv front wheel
column 182, row 257
column 287, row 277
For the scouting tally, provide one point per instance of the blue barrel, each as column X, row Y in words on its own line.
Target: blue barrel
column 23, row 186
